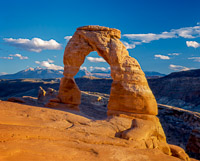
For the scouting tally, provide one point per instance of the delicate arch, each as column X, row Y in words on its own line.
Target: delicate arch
column 129, row 92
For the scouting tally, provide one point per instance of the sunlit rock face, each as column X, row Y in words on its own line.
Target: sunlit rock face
column 129, row 92
column 130, row 96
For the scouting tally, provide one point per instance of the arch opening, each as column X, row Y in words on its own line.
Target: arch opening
column 94, row 86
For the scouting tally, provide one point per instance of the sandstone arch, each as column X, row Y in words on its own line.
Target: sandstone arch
column 130, row 95
column 130, row 92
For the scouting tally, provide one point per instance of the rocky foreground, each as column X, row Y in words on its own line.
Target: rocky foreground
column 39, row 133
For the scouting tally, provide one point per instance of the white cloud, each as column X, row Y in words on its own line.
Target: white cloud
column 162, row 57
column 146, row 38
column 96, row 60
column 197, row 59
column 186, row 32
column 35, row 44
column 19, row 56
column 49, row 65
column 178, row 68
column 174, row 54
column 14, row 55
column 198, row 23
column 99, row 68
column 193, row 44
column 67, row 38
column 9, row 57
column 3, row 73
column 83, row 68
column 128, row 45
column 50, row 61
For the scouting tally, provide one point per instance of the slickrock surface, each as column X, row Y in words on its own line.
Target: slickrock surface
column 129, row 91
column 34, row 133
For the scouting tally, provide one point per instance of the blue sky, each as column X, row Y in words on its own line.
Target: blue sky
column 163, row 36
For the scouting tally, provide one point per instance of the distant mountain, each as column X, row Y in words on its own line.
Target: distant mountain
column 100, row 71
column 51, row 73
column 106, row 74
column 152, row 74
column 82, row 73
column 41, row 73
column 188, row 73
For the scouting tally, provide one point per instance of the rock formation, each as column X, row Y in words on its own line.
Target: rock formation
column 129, row 92
column 45, row 96
column 130, row 95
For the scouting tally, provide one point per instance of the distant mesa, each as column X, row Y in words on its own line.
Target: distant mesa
column 153, row 74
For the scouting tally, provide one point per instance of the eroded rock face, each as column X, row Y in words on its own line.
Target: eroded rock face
column 130, row 96
column 129, row 92
column 193, row 145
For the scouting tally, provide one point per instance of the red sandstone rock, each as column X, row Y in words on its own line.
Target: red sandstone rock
column 130, row 95
column 129, row 92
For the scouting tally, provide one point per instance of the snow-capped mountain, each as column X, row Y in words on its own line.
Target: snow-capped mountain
column 41, row 73
column 51, row 73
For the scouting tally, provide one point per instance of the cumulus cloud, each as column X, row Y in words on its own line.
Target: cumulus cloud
column 193, row 44
column 128, row 45
column 50, row 61
column 49, row 65
column 35, row 44
column 19, row 56
column 99, row 68
column 178, row 68
column 174, row 54
column 95, row 59
column 197, row 59
column 9, row 57
column 83, row 68
column 186, row 32
column 146, row 38
column 162, row 57
column 67, row 38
